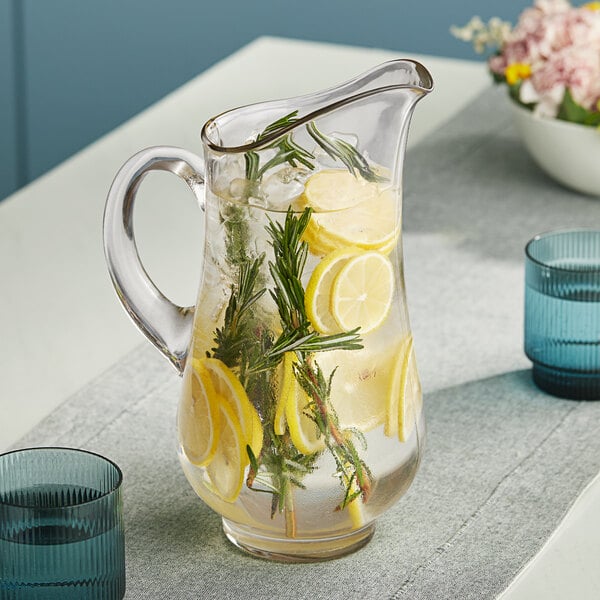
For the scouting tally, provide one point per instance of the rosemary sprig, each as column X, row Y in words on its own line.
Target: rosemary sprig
column 235, row 223
column 288, row 293
column 232, row 338
column 281, row 468
column 290, row 254
column 344, row 152
column 287, row 150
column 290, row 257
column 243, row 345
column 312, row 342
column 352, row 471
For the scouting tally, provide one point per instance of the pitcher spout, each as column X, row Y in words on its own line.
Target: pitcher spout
column 361, row 125
column 236, row 130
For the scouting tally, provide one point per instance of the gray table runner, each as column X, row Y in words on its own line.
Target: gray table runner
column 503, row 462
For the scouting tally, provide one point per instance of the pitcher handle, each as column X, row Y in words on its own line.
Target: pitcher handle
column 167, row 325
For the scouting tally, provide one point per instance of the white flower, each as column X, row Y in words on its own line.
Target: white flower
column 482, row 35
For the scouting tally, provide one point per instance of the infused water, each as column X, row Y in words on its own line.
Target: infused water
column 301, row 412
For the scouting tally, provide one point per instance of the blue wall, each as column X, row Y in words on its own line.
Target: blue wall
column 9, row 179
column 71, row 70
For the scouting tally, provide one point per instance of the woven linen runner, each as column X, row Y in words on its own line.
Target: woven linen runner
column 504, row 461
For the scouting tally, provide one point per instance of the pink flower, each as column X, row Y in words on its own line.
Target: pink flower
column 577, row 27
column 574, row 67
column 534, row 37
column 561, row 44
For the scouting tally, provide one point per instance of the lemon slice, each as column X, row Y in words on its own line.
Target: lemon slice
column 303, row 430
column 356, row 507
column 198, row 420
column 337, row 189
column 228, row 386
column 410, row 408
column 361, row 295
column 320, row 242
column 359, row 387
column 356, row 513
column 371, row 225
column 349, row 211
column 227, row 468
column 405, row 397
column 318, row 290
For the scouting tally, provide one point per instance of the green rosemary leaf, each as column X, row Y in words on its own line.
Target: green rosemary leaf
column 236, row 333
column 338, row 341
column 252, row 161
column 301, row 155
column 344, row 152
column 253, row 462
column 266, row 482
column 296, row 466
column 287, row 151
column 288, row 119
column 359, row 435
column 297, row 483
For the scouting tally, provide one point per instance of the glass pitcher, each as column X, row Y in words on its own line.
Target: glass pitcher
column 300, row 419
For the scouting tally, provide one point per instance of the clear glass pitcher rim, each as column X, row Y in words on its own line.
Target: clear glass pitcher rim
column 425, row 86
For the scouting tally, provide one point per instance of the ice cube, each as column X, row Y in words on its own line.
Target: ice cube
column 281, row 188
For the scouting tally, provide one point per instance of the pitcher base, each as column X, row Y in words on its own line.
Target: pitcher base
column 296, row 550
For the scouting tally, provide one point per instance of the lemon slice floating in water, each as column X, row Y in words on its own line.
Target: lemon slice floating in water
column 303, row 429
column 317, row 298
column 228, row 386
column 362, row 292
column 355, row 508
column 349, row 211
column 237, row 425
column 359, row 387
column 228, row 466
column 337, row 189
column 198, row 419
column 405, row 398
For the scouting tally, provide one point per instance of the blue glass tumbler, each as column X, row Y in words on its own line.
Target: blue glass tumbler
column 562, row 312
column 61, row 526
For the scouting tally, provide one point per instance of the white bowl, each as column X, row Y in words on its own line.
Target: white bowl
column 568, row 152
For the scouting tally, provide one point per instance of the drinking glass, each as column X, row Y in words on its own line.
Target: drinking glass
column 562, row 312
column 61, row 526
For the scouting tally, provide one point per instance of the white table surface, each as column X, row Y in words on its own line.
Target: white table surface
column 61, row 323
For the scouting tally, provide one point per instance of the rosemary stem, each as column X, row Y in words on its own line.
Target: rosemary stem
column 335, row 433
column 290, row 513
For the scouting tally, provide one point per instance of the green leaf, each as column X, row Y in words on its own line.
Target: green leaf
column 514, row 93
column 570, row 111
column 592, row 119
column 497, row 77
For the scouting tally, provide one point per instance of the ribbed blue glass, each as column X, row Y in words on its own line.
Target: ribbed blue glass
column 61, row 526
column 562, row 312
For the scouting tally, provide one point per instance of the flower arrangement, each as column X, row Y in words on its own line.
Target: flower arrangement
column 550, row 60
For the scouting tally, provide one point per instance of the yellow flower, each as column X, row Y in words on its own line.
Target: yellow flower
column 592, row 5
column 517, row 71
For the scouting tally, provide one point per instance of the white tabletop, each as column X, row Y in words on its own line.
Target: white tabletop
column 62, row 324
